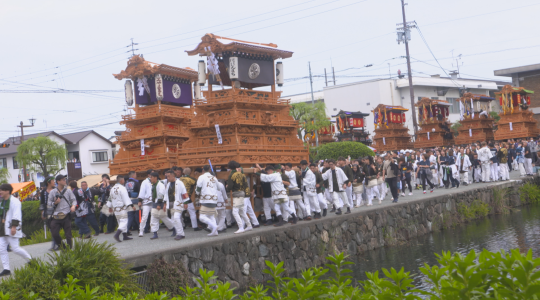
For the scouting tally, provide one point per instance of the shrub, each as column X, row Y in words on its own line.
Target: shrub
column 337, row 149
column 93, row 264
column 484, row 275
column 168, row 277
column 529, row 193
column 476, row 209
column 31, row 217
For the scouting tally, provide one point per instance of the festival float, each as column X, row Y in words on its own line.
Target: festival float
column 232, row 120
column 476, row 123
column 157, row 125
column 517, row 119
column 351, row 127
column 434, row 127
column 325, row 135
column 390, row 130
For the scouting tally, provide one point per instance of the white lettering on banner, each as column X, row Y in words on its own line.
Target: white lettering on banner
column 384, row 140
column 142, row 147
column 470, row 132
column 511, row 128
column 220, row 141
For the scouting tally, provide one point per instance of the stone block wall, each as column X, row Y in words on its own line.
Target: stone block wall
column 241, row 259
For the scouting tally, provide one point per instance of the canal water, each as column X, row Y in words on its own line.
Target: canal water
column 519, row 229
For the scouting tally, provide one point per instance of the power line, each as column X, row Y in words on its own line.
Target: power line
column 60, row 91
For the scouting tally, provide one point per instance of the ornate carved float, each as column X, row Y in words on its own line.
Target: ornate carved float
column 434, row 127
column 477, row 123
column 517, row 119
column 351, row 127
column 157, row 125
column 233, row 121
column 390, row 130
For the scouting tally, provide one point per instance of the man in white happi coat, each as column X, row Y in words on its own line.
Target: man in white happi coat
column 175, row 193
column 207, row 191
column 337, row 186
column 221, row 206
column 295, row 194
column 11, row 227
column 279, row 194
column 120, row 203
column 309, row 184
column 463, row 164
column 159, row 206
column 484, row 155
column 145, row 202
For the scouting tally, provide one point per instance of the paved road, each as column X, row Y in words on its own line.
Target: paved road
column 143, row 245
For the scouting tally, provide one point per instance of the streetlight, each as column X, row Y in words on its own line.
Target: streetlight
column 32, row 121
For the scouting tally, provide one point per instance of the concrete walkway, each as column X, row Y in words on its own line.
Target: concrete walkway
column 143, row 246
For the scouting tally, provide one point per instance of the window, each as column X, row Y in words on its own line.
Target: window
column 99, row 156
column 3, row 164
column 73, row 156
column 454, row 109
column 435, row 98
column 15, row 163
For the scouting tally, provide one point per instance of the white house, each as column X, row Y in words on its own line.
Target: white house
column 89, row 151
column 364, row 96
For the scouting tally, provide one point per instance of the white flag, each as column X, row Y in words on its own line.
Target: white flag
column 470, row 131
column 461, row 110
column 511, row 129
column 220, row 141
column 384, row 140
column 428, row 135
column 142, row 147
column 472, row 108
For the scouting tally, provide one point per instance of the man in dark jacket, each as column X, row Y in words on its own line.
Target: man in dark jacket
column 110, row 220
column 133, row 187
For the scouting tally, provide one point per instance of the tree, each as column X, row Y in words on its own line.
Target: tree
column 4, row 175
column 337, row 149
column 495, row 116
column 41, row 154
column 310, row 117
column 455, row 128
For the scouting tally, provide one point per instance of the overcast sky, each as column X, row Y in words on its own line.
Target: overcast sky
column 79, row 45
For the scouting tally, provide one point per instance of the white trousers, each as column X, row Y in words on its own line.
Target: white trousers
column 435, row 174
column 249, row 211
column 515, row 165
column 486, row 172
column 156, row 217
column 241, row 217
column 314, row 202
column 494, row 171
column 210, row 220
column 340, row 195
column 383, row 189
column 302, row 211
column 328, row 196
column 229, row 217
column 221, row 213
column 349, row 193
column 14, row 243
column 122, row 222
column 322, row 201
column 464, row 177
column 268, row 205
column 528, row 166
column 371, row 192
column 278, row 207
column 359, row 200
column 145, row 211
column 505, row 174
column 177, row 221
column 477, row 174
column 522, row 169
column 192, row 215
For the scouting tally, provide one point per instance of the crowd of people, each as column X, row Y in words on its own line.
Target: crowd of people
column 288, row 193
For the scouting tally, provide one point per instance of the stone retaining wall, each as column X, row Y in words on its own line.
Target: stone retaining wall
column 241, row 260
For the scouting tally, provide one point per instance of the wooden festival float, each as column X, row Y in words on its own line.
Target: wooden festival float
column 233, row 121
column 477, row 123
column 517, row 119
column 157, row 125
column 325, row 134
column 390, row 131
column 350, row 126
column 434, row 126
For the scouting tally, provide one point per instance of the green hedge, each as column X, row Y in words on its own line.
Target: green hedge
column 345, row 149
column 31, row 217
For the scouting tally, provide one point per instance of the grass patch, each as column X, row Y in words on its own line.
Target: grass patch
column 529, row 193
column 477, row 209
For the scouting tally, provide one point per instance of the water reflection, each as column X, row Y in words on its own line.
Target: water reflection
column 519, row 229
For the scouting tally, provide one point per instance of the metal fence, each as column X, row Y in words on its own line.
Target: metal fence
column 141, row 278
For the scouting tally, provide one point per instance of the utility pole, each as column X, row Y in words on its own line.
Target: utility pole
column 32, row 121
column 132, row 48
column 405, row 37
column 325, row 79
column 313, row 103
column 334, row 74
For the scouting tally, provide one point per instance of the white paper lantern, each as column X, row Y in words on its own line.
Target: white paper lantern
column 197, row 91
column 129, row 92
column 279, row 73
column 233, row 68
column 202, row 73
